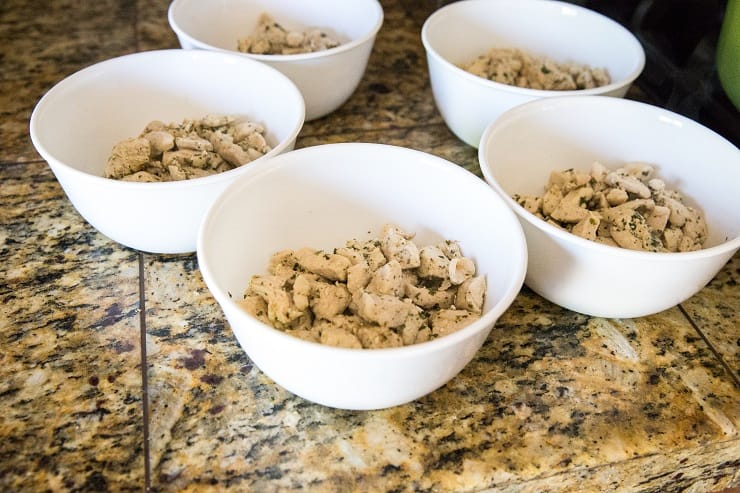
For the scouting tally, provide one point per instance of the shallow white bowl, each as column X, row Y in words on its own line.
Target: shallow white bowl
column 326, row 78
column 519, row 150
column 75, row 125
column 323, row 196
column 464, row 30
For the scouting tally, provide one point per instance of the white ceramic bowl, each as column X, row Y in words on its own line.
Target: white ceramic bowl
column 326, row 78
column 75, row 125
column 519, row 150
column 463, row 30
column 324, row 195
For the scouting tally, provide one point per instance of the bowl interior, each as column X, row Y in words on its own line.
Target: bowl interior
column 462, row 31
column 323, row 196
column 221, row 24
column 79, row 120
column 520, row 149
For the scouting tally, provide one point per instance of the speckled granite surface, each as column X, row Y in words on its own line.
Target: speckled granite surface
column 554, row 401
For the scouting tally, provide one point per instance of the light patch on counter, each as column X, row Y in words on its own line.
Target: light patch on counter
column 377, row 445
column 350, row 454
column 291, row 419
column 152, row 347
column 36, row 377
column 697, row 379
column 612, row 340
column 168, row 391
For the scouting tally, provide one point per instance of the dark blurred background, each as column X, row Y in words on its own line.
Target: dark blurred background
column 680, row 41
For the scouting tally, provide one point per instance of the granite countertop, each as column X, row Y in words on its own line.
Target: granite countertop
column 554, row 401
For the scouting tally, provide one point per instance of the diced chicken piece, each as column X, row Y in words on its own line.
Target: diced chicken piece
column 257, row 141
column 305, row 334
column 679, row 212
column 450, row 248
column 256, row 306
column 630, row 230
column 225, row 147
column 243, row 129
column 354, row 255
column 628, row 183
column 569, row 179
column 428, row 298
column 192, row 172
column 687, row 244
column 479, row 67
column 179, row 158
column 395, row 244
column 657, row 219
column 213, row 121
column 530, row 203
column 619, row 211
column 329, row 300
column 588, row 226
column 550, row 200
column 369, row 251
column 616, row 196
column 335, row 336
column 433, row 262
column 672, row 238
column 446, row 322
column 642, row 171
column 607, row 240
column 415, row 322
column 385, row 310
column 302, row 290
column 598, row 171
column 460, row 270
column 264, row 286
column 572, row 208
column 302, row 323
column 471, row 294
column 378, row 337
column 155, row 125
column 694, row 232
column 193, row 142
column 280, row 306
column 424, row 335
column 283, row 264
column 598, row 201
column 358, row 276
column 656, row 184
column 329, row 265
column 388, row 279
column 142, row 177
column 349, row 323
column 128, row 157
column 177, row 173
column 159, row 141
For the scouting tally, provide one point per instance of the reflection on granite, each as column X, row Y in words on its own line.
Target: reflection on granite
column 554, row 400
column 69, row 378
column 715, row 311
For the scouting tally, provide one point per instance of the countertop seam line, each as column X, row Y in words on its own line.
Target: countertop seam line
column 727, row 367
column 144, row 372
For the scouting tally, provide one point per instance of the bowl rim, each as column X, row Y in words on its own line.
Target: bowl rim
column 90, row 70
column 487, row 319
column 531, row 107
column 348, row 46
column 525, row 91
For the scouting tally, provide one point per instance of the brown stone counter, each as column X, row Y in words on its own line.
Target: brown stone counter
column 554, row 401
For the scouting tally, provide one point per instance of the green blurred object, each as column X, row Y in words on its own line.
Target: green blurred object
column 728, row 52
